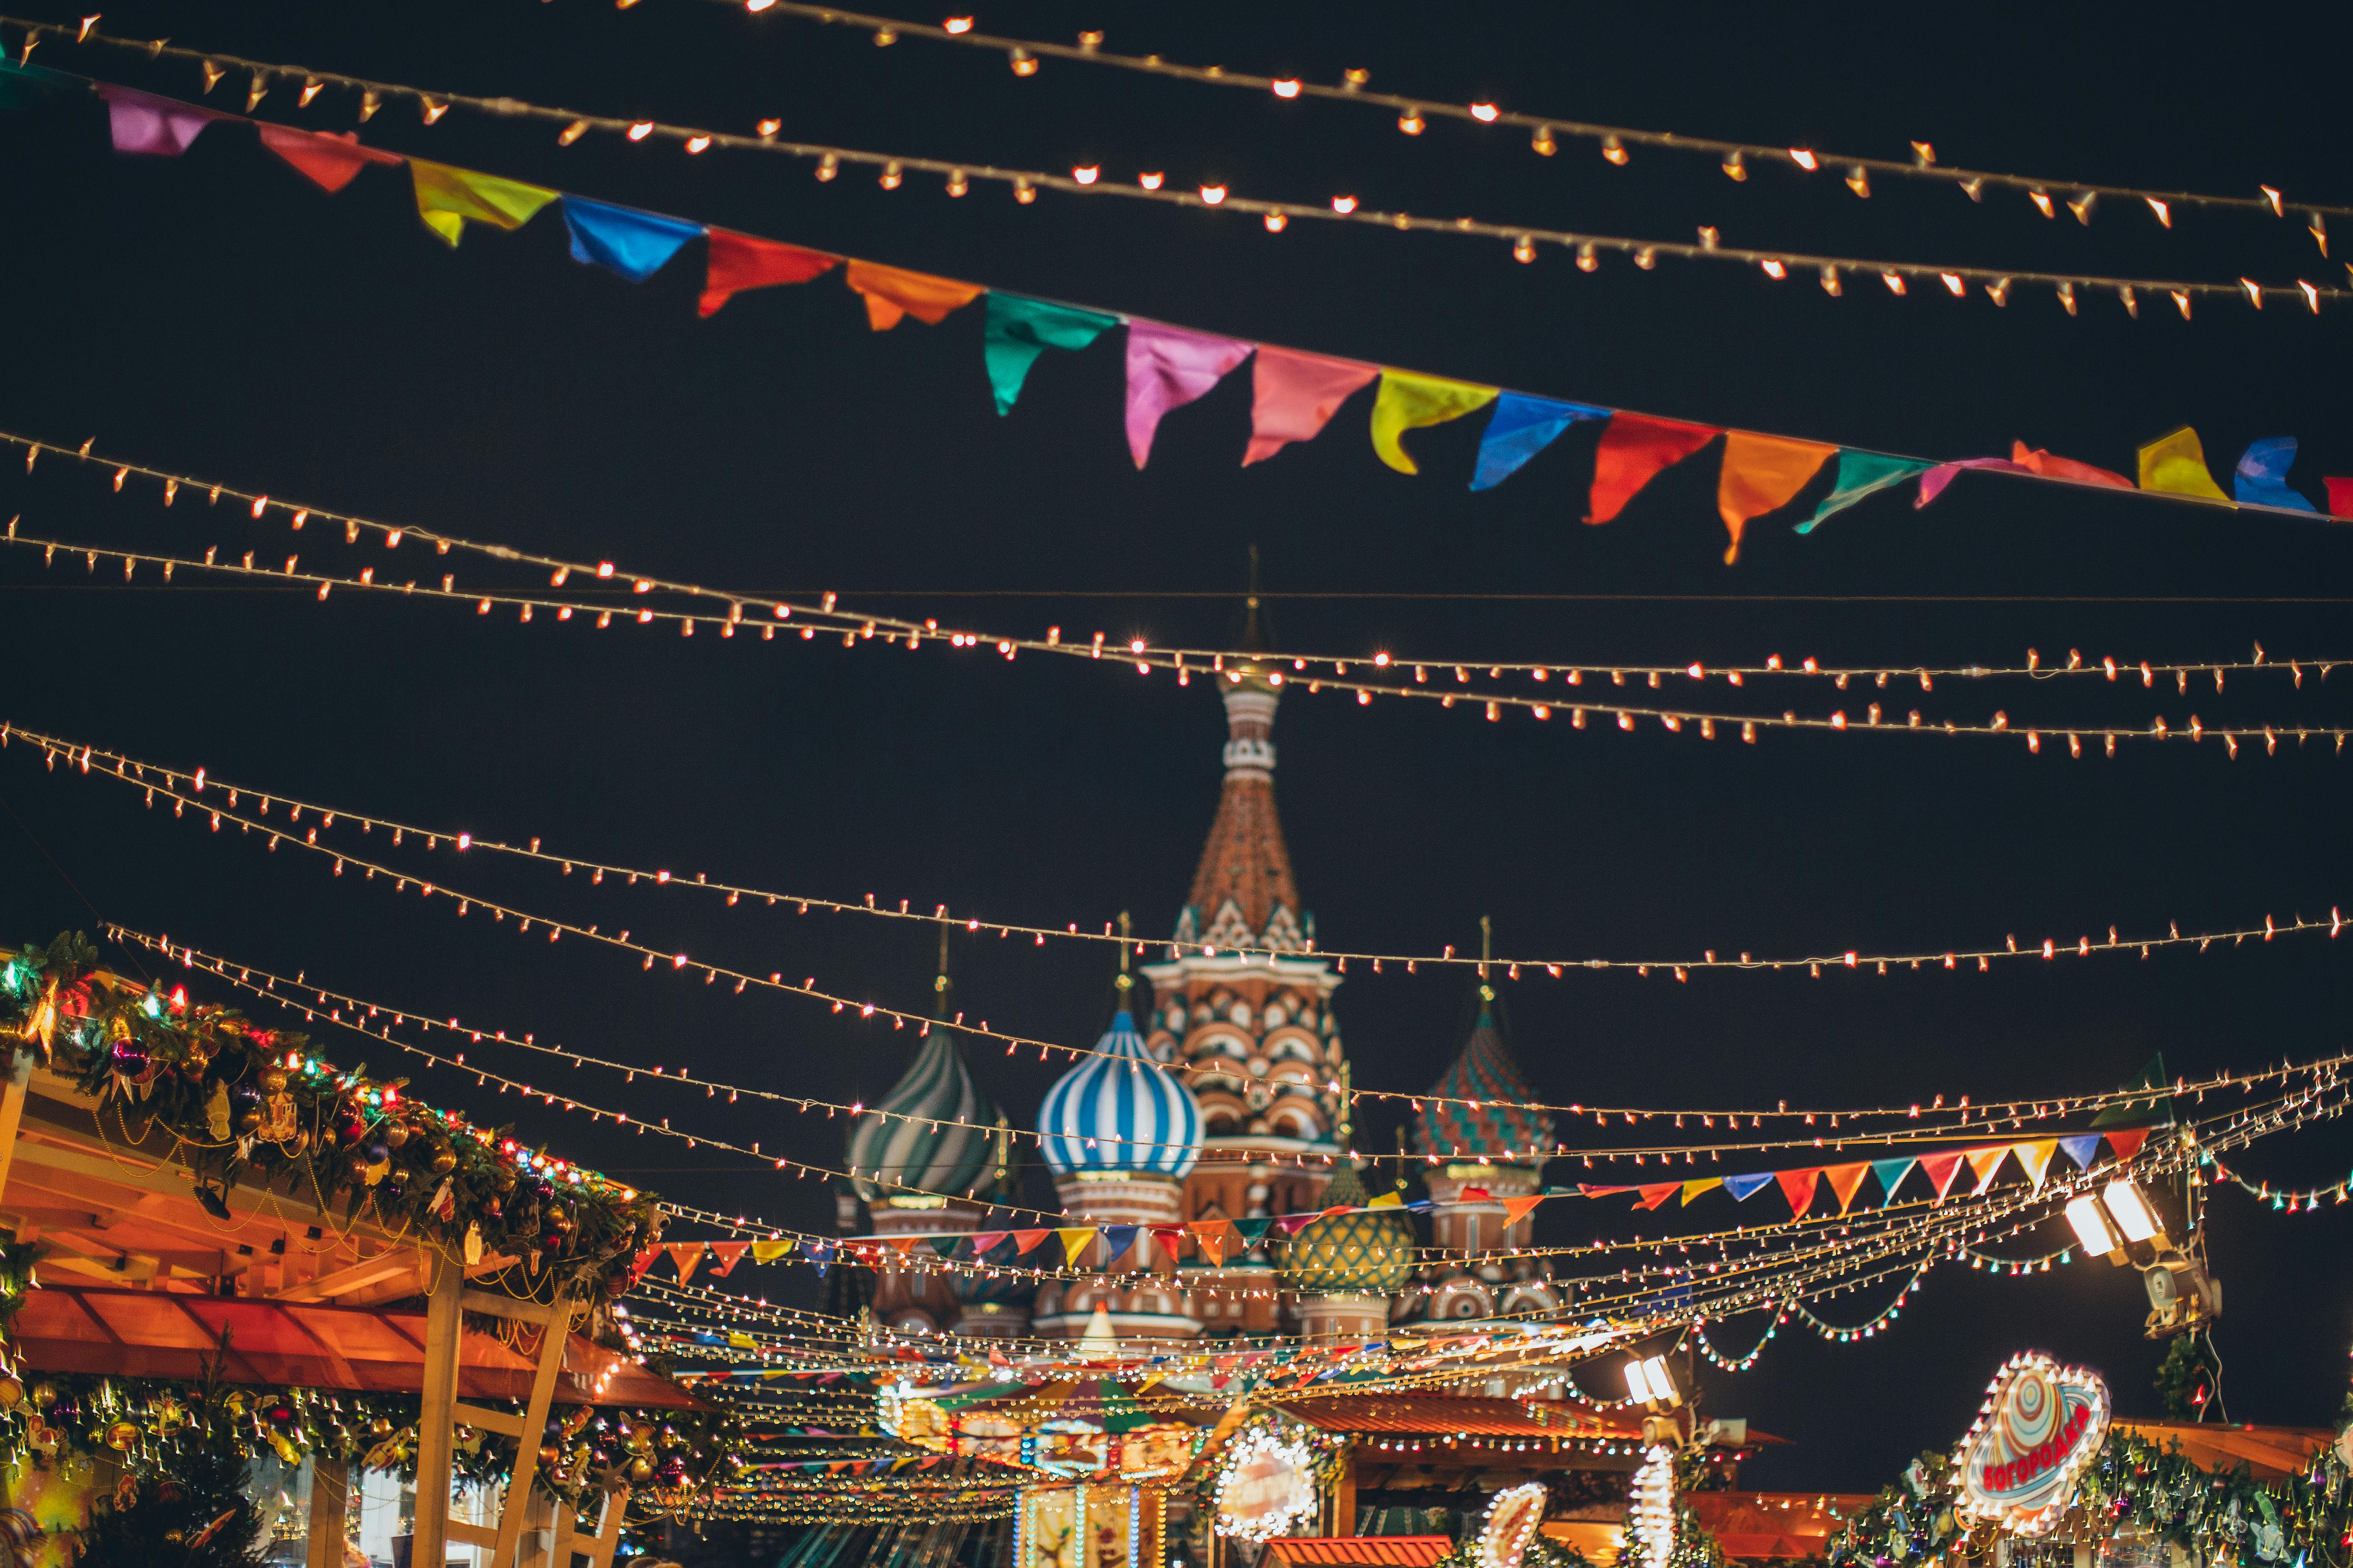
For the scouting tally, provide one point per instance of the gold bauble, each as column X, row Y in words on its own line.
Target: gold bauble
column 44, row 1395
column 444, row 1161
column 12, row 1394
column 641, row 1468
column 120, row 1436
column 271, row 1081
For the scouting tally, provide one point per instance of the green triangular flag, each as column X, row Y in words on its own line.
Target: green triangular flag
column 1253, row 1231
column 29, row 87
column 945, row 1245
column 1861, row 474
column 1019, row 329
column 2157, row 1107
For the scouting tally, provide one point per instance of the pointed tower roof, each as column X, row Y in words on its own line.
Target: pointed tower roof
column 1478, row 1109
column 934, row 1129
column 1243, row 894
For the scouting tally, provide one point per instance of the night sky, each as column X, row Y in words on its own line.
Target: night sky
column 218, row 316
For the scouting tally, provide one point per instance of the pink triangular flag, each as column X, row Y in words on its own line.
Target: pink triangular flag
column 143, row 123
column 1294, row 396
column 1169, row 368
column 1941, row 1169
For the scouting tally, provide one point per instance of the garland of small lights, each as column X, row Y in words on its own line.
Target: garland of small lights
column 237, row 1096
column 1295, row 1444
column 1275, row 216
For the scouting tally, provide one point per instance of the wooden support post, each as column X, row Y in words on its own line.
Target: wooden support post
column 437, row 1419
column 329, row 1500
column 12, row 1113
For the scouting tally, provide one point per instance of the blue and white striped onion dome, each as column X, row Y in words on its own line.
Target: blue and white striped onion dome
column 1121, row 1111
column 937, row 1137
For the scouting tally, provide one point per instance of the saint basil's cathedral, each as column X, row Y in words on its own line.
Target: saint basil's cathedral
column 1212, row 1099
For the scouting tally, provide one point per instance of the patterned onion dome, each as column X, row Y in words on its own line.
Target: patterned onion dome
column 1369, row 1253
column 1480, row 1110
column 937, row 1135
column 1121, row 1111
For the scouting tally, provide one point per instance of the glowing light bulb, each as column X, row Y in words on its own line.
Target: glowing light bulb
column 1859, row 181
column 1524, row 249
column 1024, row 192
column 1735, row 167
column 1344, row 205
column 1542, row 142
column 1484, row 113
column 1276, row 223
column 1586, row 260
column 1614, row 151
column 893, row 175
column 1088, row 173
column 1804, row 159
column 1213, row 195
column 1774, row 268
column 2042, row 200
column 768, row 128
column 641, row 129
column 1953, row 284
column 1024, row 63
column 958, row 184
column 1894, row 281
column 571, row 134
column 698, row 143
column 1287, row 88
column 1151, row 182
column 957, row 24
column 1411, row 122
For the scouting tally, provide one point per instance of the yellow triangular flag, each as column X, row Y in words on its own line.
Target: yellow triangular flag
column 1693, row 1189
column 1388, row 1201
column 447, row 197
column 2036, row 1158
column 1075, row 1242
column 1409, row 402
column 2176, row 464
column 769, row 1251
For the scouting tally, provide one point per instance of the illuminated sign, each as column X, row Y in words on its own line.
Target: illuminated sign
column 1266, row 1487
column 2041, row 1427
column 1510, row 1525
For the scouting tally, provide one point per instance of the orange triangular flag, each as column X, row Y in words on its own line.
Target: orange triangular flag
column 905, row 1243
column 891, row 294
column 687, row 1255
column 726, row 1255
column 2036, row 1158
column 1027, row 1240
column 1759, row 474
column 1798, row 1187
column 1210, row 1236
column 1846, row 1181
column 1653, row 1197
column 1941, row 1169
column 1516, row 1209
column 1983, row 1163
column 1076, row 1240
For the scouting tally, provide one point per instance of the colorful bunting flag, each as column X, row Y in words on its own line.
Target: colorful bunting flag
column 447, row 197
column 1516, row 1209
column 685, row 1257
column 1983, row 1163
column 143, row 123
column 1388, row 1201
column 1520, row 427
column 740, row 261
column 1940, row 1170
column 1171, row 1239
column 1890, row 1174
column 945, row 1245
column 983, row 1240
column 822, row 1254
column 1253, row 1231
column 1076, row 1239
column 1018, row 330
column 27, row 87
column 2082, row 1148
column 1932, row 483
column 1591, row 1191
column 329, row 160
column 1633, row 452
column 1210, row 1236
column 1846, row 1181
column 1169, row 367
column 769, row 1251
column 2340, row 497
column 2038, row 461
column 1118, row 1238
column 2035, row 1158
column 1798, row 1187
column 2127, row 1143
column 1026, row 1241
column 625, row 240
column 1652, row 1196
column 1293, row 1224
column 726, row 1256
column 1408, row 402
column 1861, row 474
column 642, row 1261
column 2175, row 465
column 1762, row 474
column 891, row 294
column 1743, row 1188
column 1294, row 396
column 1693, row 1189
column 2261, row 477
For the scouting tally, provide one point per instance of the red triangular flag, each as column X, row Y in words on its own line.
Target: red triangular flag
column 1028, row 1241
column 1653, row 1197
column 332, row 161
column 1171, row 1238
column 642, row 1261
column 740, row 261
column 1799, row 1186
column 726, row 1254
column 1472, row 1195
column 982, row 1240
column 2127, row 1143
column 1845, row 1181
column 687, row 1255
column 1941, row 1170
column 1633, row 450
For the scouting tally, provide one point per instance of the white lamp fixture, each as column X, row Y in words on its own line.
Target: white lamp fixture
column 1650, row 1384
column 2099, row 1238
column 2131, row 1211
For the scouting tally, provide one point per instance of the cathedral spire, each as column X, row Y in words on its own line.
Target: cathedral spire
column 1243, row 894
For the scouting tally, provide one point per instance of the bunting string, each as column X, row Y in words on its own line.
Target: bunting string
column 1612, row 142
column 1958, row 1115
column 264, row 77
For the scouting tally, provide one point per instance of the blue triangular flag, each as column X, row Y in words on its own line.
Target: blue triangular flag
column 1520, row 427
column 822, row 1254
column 1118, row 1238
column 2261, row 479
column 1742, row 1187
column 1890, row 1174
column 2083, row 1150
column 623, row 240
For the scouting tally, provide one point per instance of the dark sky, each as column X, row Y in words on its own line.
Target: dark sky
column 217, row 315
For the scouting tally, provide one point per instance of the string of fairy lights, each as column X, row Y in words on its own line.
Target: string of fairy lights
column 264, row 77
column 1876, row 718
column 732, row 607
column 1612, row 142
column 86, row 757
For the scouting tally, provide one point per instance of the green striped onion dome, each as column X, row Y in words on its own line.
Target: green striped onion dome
column 935, row 1135
column 1480, row 1110
column 1370, row 1252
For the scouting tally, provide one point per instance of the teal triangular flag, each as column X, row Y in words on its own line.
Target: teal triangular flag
column 1890, row 1174
column 1861, row 474
column 1019, row 329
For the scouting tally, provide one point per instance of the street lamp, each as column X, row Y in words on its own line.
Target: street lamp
column 2121, row 1224
column 1650, row 1384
